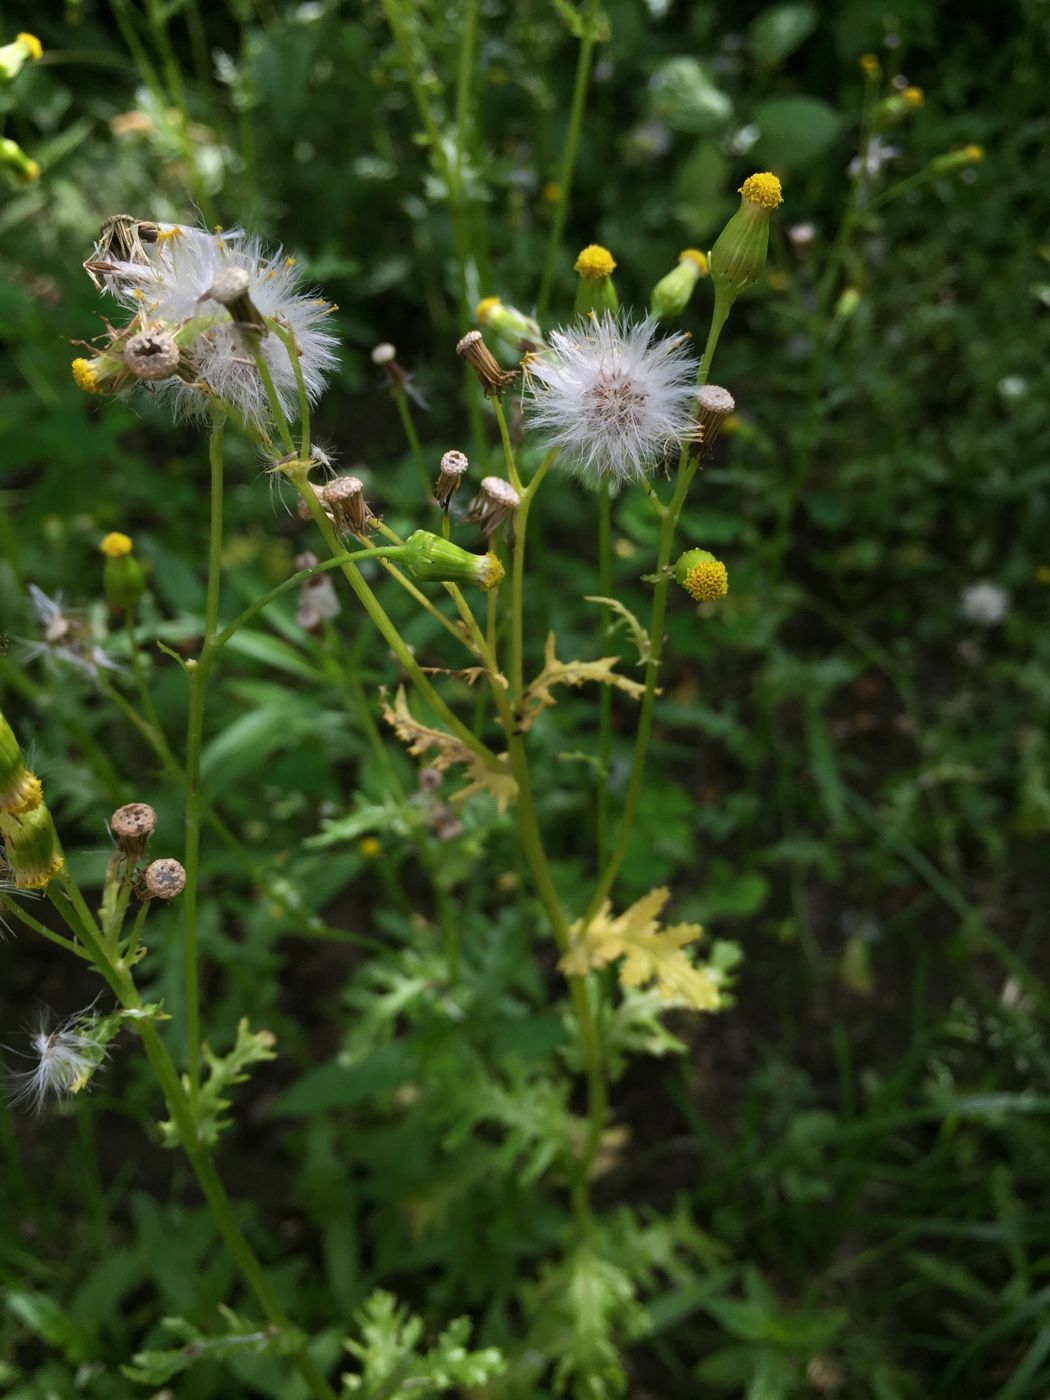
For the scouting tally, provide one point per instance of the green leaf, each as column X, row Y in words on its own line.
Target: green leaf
column 48, row 1321
column 686, row 98
column 223, row 1072
column 156, row 1366
column 392, row 1366
column 779, row 31
column 273, row 653
column 794, row 132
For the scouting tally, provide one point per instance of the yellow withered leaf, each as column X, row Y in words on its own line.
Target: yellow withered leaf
column 538, row 695
column 444, row 749
column 651, row 955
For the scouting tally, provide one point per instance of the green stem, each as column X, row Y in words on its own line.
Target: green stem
column 296, row 580
column 13, row 907
column 194, row 741
column 135, row 936
column 686, row 472
column 568, row 165
column 401, row 400
column 140, row 676
column 605, row 698
column 389, row 632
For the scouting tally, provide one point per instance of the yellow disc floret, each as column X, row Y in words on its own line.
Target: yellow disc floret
column 85, row 376
column 914, row 96
column 115, row 545
column 763, row 189
column 31, row 44
column 703, row 577
column 23, row 795
column 485, row 307
column 595, row 262
column 491, row 576
column 707, row 581
column 694, row 255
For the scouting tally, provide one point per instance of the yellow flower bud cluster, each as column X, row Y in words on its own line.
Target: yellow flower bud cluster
column 30, row 840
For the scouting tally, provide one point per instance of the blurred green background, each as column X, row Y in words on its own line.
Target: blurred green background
column 850, row 772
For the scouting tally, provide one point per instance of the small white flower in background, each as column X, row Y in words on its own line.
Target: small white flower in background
column 984, row 603
column 66, row 1057
column 878, row 154
column 801, row 235
column 612, row 397
column 170, row 286
column 67, row 636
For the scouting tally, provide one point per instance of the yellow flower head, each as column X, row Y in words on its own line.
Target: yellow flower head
column 551, row 194
column 370, row 847
column 115, row 545
column 31, row 44
column 703, row 577
column 914, row 96
column 595, row 262
column 762, row 189
column 485, row 307
column 973, row 153
column 85, row 377
column 694, row 255
column 491, row 576
column 869, row 65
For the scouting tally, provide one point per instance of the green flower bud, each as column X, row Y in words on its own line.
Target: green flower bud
column 123, row 581
column 31, row 842
column 595, row 291
column 15, row 159
column 14, row 56
column 703, row 577
column 19, row 789
column 431, row 559
column 898, row 105
column 516, row 334
column 957, row 160
column 671, row 294
column 739, row 255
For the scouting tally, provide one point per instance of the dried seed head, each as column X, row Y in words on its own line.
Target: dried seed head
column 453, row 469
column 132, row 825
column 713, row 407
column 152, row 355
column 493, row 378
column 230, row 284
column 344, row 497
column 230, row 289
column 495, row 501
column 429, row 779
column 164, row 879
column 303, row 506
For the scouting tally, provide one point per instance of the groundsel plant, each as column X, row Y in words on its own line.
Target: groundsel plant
column 611, row 395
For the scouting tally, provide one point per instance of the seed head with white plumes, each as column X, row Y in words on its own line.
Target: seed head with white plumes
column 172, row 285
column 65, row 1056
column 611, row 396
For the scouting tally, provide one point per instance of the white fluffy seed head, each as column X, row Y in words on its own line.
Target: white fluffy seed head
column 984, row 603
column 176, row 284
column 65, row 1059
column 612, row 397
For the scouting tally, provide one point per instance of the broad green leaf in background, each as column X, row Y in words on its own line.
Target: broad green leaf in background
column 687, row 99
column 794, row 132
column 778, row 32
